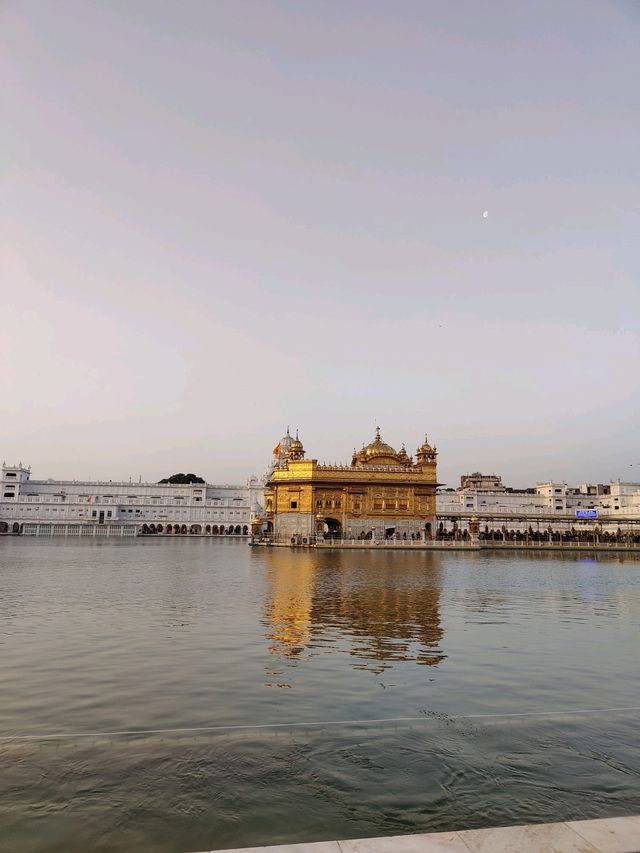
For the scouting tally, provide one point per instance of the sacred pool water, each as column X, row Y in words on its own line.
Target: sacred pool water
column 183, row 695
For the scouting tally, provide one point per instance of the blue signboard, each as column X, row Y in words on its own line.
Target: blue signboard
column 586, row 513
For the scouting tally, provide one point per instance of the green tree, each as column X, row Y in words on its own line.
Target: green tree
column 182, row 479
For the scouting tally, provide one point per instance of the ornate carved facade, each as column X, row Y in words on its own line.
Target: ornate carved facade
column 382, row 493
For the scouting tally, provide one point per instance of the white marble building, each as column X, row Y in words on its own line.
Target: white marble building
column 107, row 508
column 481, row 494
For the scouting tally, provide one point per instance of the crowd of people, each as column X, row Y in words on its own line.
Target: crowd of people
column 549, row 535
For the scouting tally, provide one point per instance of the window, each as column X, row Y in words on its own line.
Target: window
column 94, row 514
column 109, row 514
column 9, row 494
column 11, row 474
column 293, row 504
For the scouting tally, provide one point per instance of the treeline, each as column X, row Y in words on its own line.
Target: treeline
column 182, row 479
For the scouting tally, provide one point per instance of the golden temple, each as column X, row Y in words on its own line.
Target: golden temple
column 382, row 494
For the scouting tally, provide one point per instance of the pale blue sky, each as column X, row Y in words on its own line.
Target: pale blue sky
column 219, row 218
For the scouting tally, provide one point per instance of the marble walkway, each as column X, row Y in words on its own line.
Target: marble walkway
column 609, row 835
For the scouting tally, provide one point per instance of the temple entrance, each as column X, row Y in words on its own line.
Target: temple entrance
column 333, row 528
column 4, row 527
column 428, row 534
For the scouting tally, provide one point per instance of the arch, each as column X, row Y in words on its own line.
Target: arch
column 195, row 528
column 16, row 527
column 158, row 528
column 333, row 528
column 145, row 528
column 183, row 529
column 230, row 530
column 215, row 530
column 152, row 528
column 245, row 530
column 4, row 527
column 238, row 530
column 169, row 528
column 208, row 528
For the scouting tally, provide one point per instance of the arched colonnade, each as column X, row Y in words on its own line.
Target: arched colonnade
column 177, row 529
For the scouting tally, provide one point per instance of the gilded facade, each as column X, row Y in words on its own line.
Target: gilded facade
column 383, row 493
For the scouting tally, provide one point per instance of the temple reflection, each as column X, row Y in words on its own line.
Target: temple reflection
column 288, row 612
column 379, row 612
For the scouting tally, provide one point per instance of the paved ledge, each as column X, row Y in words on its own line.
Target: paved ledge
column 609, row 835
column 450, row 545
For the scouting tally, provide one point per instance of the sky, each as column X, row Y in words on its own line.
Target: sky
column 222, row 218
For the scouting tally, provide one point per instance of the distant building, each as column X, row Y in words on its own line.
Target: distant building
column 487, row 493
column 85, row 508
column 383, row 493
column 480, row 494
column 482, row 482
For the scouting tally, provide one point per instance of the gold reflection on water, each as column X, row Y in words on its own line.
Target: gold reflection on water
column 377, row 610
column 288, row 612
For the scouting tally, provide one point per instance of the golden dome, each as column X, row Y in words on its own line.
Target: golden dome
column 425, row 452
column 426, row 446
column 296, row 449
column 379, row 450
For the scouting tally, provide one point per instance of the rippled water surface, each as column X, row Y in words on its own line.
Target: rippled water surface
column 488, row 655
